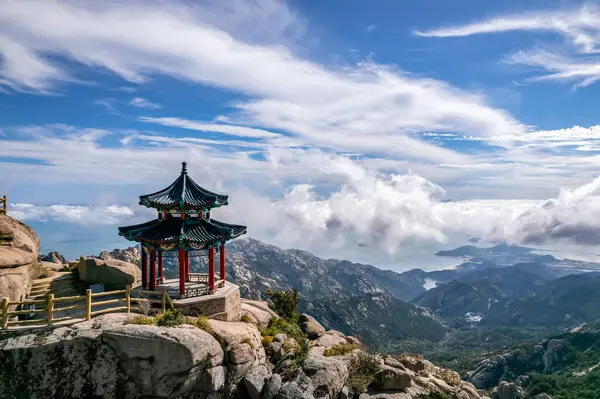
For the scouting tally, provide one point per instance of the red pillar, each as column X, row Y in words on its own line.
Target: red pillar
column 160, row 266
column 211, row 269
column 144, row 267
column 152, row 269
column 222, row 263
column 187, row 264
column 181, row 272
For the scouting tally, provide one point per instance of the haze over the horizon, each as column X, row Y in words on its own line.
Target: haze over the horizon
column 405, row 127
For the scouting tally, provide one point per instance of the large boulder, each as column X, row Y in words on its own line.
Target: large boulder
column 488, row 372
column 129, row 255
column 106, row 358
column 311, row 327
column 19, row 244
column 112, row 273
column 242, row 341
column 330, row 338
column 259, row 311
column 328, row 374
column 53, row 257
column 508, row 390
column 19, row 249
column 392, row 379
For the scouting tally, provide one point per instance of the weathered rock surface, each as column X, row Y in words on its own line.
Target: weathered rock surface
column 53, row 257
column 392, row 379
column 19, row 249
column 488, row 373
column 242, row 341
column 129, row 255
column 259, row 311
column 105, row 358
column 328, row 374
column 114, row 274
column 507, row 390
column 311, row 326
column 19, row 244
column 552, row 356
column 255, row 380
column 331, row 338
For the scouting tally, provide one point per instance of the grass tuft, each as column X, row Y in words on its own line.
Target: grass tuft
column 170, row 318
column 246, row 318
column 340, row 349
column 201, row 322
column 141, row 320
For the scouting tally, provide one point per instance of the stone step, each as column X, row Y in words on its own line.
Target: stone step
column 54, row 285
column 53, row 281
column 62, row 292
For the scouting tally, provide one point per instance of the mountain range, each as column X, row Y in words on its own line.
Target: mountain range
column 492, row 286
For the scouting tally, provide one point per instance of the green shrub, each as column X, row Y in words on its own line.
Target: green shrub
column 141, row 319
column 246, row 318
column 267, row 339
column 292, row 330
column 170, row 318
column 201, row 322
column 362, row 369
column 340, row 349
column 285, row 304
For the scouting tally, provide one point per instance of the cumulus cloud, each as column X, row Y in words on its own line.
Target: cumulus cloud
column 382, row 211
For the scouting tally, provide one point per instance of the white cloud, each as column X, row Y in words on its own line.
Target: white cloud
column 581, row 27
column 143, row 103
column 382, row 211
column 85, row 215
column 370, row 108
column 232, row 130
column 370, row 29
column 108, row 103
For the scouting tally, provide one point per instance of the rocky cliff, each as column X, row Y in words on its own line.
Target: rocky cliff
column 109, row 357
column 19, row 249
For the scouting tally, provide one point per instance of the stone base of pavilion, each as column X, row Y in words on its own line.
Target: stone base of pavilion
column 224, row 304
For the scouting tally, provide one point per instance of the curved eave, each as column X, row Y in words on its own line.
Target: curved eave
column 184, row 193
column 196, row 233
column 178, row 205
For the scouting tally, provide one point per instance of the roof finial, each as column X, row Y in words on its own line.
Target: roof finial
column 184, row 168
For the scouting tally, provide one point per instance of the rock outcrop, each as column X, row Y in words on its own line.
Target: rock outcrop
column 129, row 255
column 53, row 257
column 552, row 356
column 110, row 358
column 19, row 249
column 508, row 390
column 258, row 311
column 114, row 274
column 106, row 358
column 311, row 327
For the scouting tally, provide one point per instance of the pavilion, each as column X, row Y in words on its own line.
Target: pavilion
column 183, row 225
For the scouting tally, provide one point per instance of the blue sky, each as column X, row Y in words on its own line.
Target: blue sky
column 405, row 125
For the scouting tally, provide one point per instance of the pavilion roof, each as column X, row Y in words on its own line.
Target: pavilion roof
column 195, row 233
column 185, row 193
